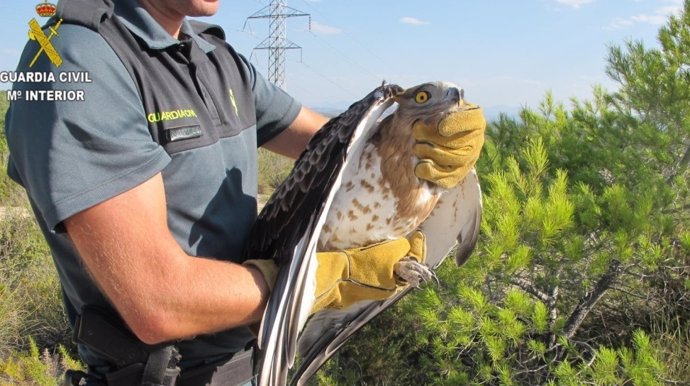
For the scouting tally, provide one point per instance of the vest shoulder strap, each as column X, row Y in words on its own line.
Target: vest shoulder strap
column 201, row 28
column 88, row 13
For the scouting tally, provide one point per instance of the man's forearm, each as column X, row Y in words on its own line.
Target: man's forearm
column 208, row 296
column 292, row 142
column 185, row 297
column 161, row 292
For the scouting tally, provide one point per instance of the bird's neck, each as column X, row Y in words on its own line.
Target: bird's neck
column 395, row 144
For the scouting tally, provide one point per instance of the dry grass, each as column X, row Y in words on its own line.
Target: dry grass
column 671, row 342
column 273, row 169
column 30, row 296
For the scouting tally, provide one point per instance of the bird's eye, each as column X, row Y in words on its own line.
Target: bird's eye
column 421, row 97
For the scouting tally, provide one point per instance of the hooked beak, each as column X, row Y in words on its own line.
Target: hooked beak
column 456, row 96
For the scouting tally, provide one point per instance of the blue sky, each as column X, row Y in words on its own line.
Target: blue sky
column 504, row 53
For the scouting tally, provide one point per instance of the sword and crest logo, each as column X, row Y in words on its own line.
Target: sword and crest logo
column 36, row 33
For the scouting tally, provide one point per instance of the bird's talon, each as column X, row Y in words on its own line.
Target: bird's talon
column 413, row 272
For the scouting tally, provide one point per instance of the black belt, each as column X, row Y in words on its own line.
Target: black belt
column 236, row 371
column 135, row 363
column 233, row 372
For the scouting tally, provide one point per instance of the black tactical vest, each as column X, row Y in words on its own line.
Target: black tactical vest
column 189, row 96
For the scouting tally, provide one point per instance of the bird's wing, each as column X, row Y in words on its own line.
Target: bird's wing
column 455, row 220
column 288, row 228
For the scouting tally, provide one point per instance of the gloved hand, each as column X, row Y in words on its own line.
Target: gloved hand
column 448, row 151
column 346, row 277
column 268, row 269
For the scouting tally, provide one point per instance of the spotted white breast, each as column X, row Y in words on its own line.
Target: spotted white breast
column 366, row 209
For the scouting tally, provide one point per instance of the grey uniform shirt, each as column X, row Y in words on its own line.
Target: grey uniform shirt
column 72, row 155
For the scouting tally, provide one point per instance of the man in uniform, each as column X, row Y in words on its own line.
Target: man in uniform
column 146, row 190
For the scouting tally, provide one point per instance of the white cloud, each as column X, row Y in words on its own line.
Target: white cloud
column 618, row 23
column 324, row 29
column 574, row 3
column 659, row 17
column 649, row 19
column 670, row 10
column 413, row 21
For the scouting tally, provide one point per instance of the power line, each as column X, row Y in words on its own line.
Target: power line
column 350, row 92
column 371, row 53
column 341, row 55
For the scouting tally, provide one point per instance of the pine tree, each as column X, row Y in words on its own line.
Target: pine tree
column 584, row 254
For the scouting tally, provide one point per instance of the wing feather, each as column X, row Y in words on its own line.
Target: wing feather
column 288, row 227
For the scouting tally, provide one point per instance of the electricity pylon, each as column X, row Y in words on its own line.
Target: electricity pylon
column 276, row 43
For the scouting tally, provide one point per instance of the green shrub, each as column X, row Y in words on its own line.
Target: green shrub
column 31, row 303
column 34, row 368
column 11, row 194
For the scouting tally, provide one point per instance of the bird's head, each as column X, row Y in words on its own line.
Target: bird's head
column 429, row 102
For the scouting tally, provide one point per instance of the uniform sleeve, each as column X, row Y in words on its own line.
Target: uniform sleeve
column 275, row 109
column 71, row 155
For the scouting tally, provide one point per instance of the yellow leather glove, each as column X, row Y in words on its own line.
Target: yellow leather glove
column 346, row 277
column 448, row 151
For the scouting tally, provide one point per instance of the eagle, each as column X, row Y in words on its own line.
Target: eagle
column 353, row 186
